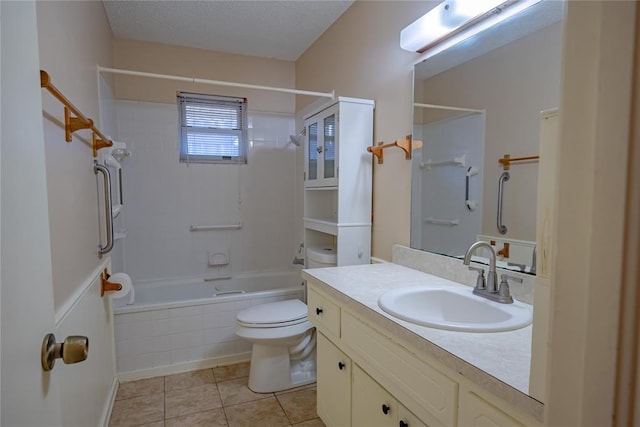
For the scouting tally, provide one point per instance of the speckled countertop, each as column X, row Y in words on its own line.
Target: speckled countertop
column 498, row 362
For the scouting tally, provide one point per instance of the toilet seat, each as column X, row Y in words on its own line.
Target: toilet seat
column 273, row 315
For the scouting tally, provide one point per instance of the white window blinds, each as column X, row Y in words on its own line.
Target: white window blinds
column 213, row 129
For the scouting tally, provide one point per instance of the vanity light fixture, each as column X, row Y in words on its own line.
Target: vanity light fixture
column 454, row 21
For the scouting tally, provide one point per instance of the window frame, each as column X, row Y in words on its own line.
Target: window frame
column 184, row 99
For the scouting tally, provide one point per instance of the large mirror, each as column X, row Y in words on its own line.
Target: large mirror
column 473, row 104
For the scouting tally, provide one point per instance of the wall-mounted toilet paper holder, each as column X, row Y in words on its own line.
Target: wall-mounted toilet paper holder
column 105, row 285
column 73, row 349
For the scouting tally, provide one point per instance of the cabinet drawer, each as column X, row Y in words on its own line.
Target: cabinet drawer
column 426, row 392
column 324, row 314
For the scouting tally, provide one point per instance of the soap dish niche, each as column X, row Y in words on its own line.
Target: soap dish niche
column 217, row 259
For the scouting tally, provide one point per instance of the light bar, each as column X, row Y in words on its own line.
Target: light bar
column 453, row 21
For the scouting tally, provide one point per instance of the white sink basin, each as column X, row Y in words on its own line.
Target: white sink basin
column 454, row 309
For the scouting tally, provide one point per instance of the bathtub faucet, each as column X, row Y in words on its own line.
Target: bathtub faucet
column 299, row 259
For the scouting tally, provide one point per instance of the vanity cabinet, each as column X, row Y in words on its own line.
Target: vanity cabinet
column 338, row 179
column 366, row 378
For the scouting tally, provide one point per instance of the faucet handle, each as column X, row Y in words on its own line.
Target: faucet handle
column 503, row 291
column 480, row 282
column 506, row 277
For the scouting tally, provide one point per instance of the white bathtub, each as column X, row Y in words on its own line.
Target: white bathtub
column 177, row 324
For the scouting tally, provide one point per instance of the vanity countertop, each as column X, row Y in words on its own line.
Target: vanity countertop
column 496, row 361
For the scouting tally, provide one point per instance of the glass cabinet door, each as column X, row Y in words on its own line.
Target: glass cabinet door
column 329, row 164
column 312, row 151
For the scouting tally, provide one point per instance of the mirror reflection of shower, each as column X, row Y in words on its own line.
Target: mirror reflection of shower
column 298, row 138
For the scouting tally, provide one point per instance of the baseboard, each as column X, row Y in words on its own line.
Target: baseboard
column 184, row 367
column 375, row 260
column 106, row 414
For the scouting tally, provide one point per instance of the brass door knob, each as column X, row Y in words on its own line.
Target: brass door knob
column 73, row 349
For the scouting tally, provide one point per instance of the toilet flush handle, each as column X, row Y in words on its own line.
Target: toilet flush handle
column 318, row 311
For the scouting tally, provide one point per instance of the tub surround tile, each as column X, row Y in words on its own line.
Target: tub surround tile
column 236, row 391
column 130, row 389
column 212, row 418
column 263, row 412
column 138, row 410
column 299, row 405
column 230, row 372
column 188, row 379
column 191, row 400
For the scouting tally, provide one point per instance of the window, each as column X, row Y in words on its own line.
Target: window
column 213, row 129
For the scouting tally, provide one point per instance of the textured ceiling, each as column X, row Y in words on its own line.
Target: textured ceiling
column 270, row 29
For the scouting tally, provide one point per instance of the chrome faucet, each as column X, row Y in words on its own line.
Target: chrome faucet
column 490, row 288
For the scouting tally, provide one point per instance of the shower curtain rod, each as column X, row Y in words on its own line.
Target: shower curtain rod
column 331, row 94
column 445, row 107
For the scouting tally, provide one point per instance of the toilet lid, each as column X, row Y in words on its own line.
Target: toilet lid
column 274, row 312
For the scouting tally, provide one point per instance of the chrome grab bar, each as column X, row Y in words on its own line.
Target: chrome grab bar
column 107, row 207
column 502, row 229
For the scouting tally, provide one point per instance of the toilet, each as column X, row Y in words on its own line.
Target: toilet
column 283, row 355
column 284, row 341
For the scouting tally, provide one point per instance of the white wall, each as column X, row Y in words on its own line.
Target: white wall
column 163, row 197
column 88, row 388
column 74, row 37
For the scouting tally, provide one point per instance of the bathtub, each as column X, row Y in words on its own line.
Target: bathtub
column 176, row 325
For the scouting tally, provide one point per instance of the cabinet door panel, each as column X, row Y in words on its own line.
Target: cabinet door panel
column 475, row 412
column 330, row 152
column 373, row 406
column 334, row 384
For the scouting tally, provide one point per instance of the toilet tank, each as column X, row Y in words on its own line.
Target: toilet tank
column 321, row 256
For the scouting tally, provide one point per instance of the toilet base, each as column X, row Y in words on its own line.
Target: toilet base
column 273, row 370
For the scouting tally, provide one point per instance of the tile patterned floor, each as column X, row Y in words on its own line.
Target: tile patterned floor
column 217, row 397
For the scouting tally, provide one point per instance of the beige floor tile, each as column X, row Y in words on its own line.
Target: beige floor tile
column 263, row 412
column 188, row 379
column 236, row 391
column 213, row 418
column 299, row 405
column 138, row 410
column 156, row 424
column 127, row 390
column 302, row 387
column 191, row 400
column 316, row 422
column 224, row 373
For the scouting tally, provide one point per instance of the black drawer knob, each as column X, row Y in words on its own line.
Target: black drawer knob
column 385, row 408
column 318, row 311
column 403, row 424
column 341, row 365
